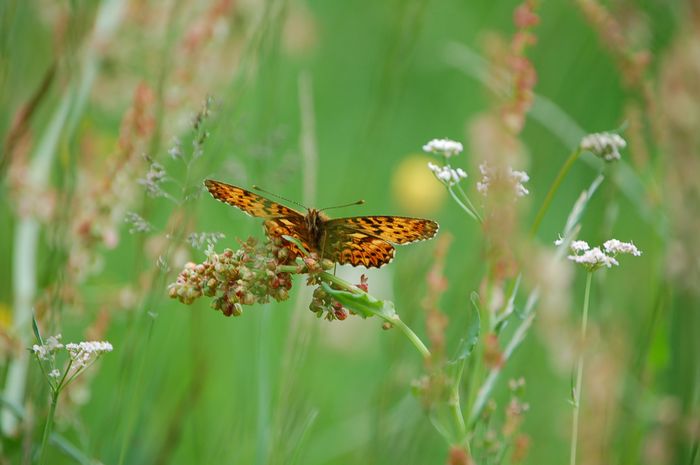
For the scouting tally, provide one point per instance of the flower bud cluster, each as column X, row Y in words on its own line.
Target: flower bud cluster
column 605, row 145
column 445, row 147
column 247, row 276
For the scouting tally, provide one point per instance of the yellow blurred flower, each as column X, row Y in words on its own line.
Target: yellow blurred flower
column 414, row 187
column 5, row 316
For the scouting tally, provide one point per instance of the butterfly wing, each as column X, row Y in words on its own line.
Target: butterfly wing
column 252, row 204
column 279, row 220
column 294, row 226
column 393, row 229
column 357, row 248
column 367, row 240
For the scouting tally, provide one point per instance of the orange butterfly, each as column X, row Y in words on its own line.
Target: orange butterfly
column 358, row 240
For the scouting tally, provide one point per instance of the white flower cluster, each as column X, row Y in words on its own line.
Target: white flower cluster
column 594, row 258
column 50, row 346
column 447, row 174
column 445, row 147
column 605, row 145
column 517, row 178
column 614, row 247
column 81, row 356
column 84, row 353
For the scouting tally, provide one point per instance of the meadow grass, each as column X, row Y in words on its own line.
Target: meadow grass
column 513, row 124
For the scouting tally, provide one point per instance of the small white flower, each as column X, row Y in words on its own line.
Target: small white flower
column 50, row 346
column 445, row 147
column 516, row 178
column 605, row 145
column 613, row 246
column 40, row 351
column 434, row 168
column 53, row 343
column 54, row 373
column 579, row 246
column 559, row 241
column 447, row 174
column 594, row 258
column 84, row 353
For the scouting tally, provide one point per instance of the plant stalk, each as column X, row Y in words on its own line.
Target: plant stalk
column 553, row 189
column 579, row 372
column 49, row 426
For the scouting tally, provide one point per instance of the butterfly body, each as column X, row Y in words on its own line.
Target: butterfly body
column 359, row 240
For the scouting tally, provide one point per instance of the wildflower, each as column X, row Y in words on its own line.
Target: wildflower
column 49, row 348
column 446, row 174
column 84, row 353
column 248, row 276
column 199, row 240
column 580, row 246
column 446, row 147
column 516, row 178
column 613, row 246
column 175, row 150
column 138, row 224
column 81, row 356
column 594, row 258
column 605, row 145
column 154, row 177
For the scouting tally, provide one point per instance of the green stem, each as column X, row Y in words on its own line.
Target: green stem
column 394, row 320
column 456, row 408
column 461, row 204
column 579, row 372
column 484, row 392
column 408, row 332
column 48, row 426
column 469, row 202
column 553, row 189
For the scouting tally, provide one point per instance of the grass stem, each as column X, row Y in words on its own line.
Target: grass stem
column 579, row 372
column 553, row 189
column 48, row 426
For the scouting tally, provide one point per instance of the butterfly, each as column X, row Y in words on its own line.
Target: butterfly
column 357, row 240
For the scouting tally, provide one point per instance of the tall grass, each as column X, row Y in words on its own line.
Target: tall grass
column 116, row 112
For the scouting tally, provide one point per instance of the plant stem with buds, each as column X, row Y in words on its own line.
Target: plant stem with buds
column 394, row 319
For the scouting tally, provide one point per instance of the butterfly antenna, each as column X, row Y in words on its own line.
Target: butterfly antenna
column 358, row 202
column 258, row 188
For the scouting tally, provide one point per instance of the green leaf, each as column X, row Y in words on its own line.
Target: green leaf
column 70, row 450
column 296, row 242
column 362, row 303
column 467, row 343
column 35, row 327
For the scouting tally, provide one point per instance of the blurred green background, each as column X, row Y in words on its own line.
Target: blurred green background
column 90, row 88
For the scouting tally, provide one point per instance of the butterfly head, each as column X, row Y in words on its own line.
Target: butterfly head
column 314, row 222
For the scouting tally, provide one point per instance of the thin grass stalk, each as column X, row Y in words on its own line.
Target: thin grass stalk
column 486, row 389
column 466, row 209
column 579, row 372
column 48, row 426
column 568, row 164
